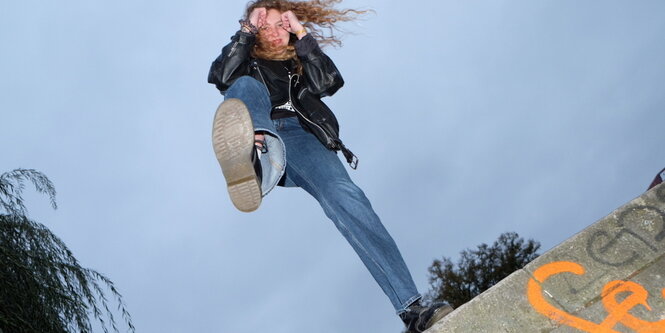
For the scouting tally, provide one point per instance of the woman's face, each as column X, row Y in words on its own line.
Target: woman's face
column 273, row 32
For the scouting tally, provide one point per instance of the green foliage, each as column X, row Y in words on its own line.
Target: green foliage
column 478, row 270
column 12, row 185
column 43, row 288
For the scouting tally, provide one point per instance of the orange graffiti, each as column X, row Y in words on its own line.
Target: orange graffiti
column 618, row 312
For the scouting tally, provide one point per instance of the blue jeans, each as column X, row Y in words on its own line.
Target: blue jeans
column 298, row 159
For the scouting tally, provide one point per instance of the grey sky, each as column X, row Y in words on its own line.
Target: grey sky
column 470, row 118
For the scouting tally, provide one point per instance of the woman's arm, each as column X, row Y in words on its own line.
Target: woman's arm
column 234, row 60
column 322, row 75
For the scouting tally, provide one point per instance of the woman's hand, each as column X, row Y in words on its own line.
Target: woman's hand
column 291, row 24
column 258, row 17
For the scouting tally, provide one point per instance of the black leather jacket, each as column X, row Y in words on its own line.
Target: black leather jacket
column 320, row 78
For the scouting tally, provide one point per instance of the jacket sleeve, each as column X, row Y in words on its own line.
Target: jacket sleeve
column 322, row 76
column 233, row 62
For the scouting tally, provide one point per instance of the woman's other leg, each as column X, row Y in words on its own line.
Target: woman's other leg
column 320, row 172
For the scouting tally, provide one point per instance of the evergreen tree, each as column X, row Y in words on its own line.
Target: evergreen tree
column 478, row 270
column 43, row 288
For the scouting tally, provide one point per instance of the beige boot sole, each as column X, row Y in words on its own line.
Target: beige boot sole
column 232, row 140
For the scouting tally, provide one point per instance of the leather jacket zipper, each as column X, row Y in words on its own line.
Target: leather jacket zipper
column 256, row 65
column 329, row 141
column 233, row 49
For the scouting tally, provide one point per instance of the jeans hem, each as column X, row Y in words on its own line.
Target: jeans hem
column 408, row 303
column 274, row 166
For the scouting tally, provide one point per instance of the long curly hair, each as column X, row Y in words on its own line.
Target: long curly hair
column 319, row 17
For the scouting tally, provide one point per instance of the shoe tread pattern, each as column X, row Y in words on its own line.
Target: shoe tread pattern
column 233, row 141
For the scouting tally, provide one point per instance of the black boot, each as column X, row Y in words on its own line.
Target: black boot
column 418, row 318
column 260, row 147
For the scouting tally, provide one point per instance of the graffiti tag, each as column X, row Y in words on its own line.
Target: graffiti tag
column 618, row 311
column 600, row 244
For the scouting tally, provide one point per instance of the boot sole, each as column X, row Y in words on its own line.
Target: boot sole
column 232, row 141
column 439, row 314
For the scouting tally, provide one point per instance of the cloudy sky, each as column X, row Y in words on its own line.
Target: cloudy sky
column 470, row 118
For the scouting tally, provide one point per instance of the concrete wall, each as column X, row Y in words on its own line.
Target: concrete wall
column 608, row 278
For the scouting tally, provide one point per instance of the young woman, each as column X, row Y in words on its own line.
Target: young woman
column 273, row 129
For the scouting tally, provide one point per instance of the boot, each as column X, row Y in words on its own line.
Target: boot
column 234, row 146
column 418, row 318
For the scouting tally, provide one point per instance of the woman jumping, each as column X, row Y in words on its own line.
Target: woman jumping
column 273, row 129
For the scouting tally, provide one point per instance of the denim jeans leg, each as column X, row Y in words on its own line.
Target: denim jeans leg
column 255, row 96
column 320, row 172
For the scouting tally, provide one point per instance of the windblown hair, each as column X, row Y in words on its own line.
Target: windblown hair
column 316, row 16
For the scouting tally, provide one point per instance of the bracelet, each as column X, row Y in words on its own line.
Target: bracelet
column 247, row 24
column 301, row 31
